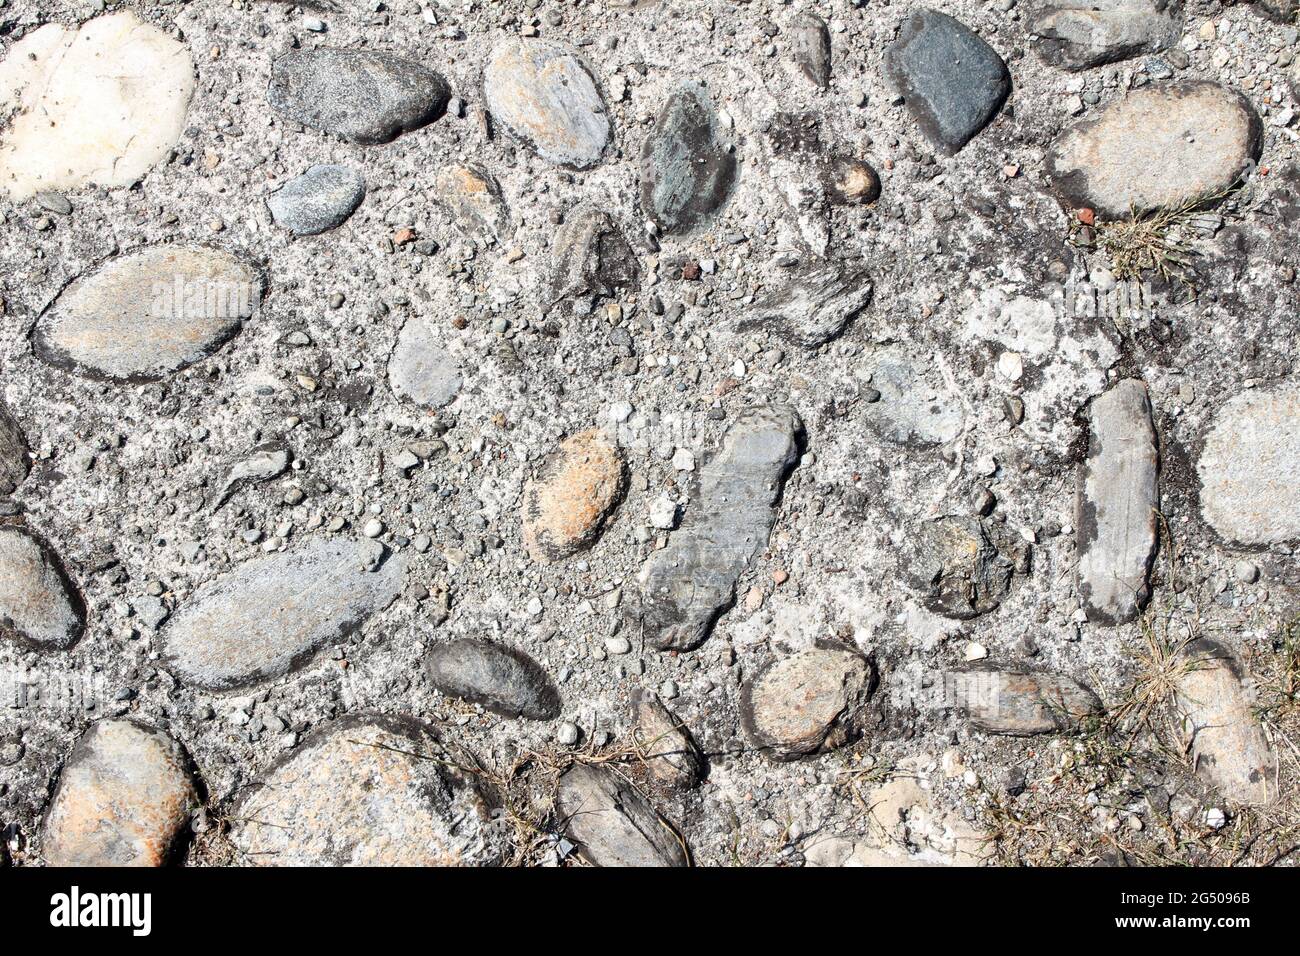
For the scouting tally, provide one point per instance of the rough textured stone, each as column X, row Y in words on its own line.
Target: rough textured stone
column 1224, row 739
column 39, row 606
column 910, row 410
column 1159, row 147
column 144, row 315
column 816, row 305
column 688, row 164
column 14, row 463
column 319, row 200
column 123, row 799
column 546, row 96
column 953, row 82
column 1250, row 467
column 1021, row 705
column 504, row 680
column 613, row 824
column 1116, row 503
column 809, row 703
column 573, row 494
column 474, row 200
column 1079, row 34
column 366, row 96
column 669, row 755
column 963, row 567
column 97, row 105
column 685, row 586
column 266, row 462
column 592, row 258
column 367, row 790
column 810, row 48
column 269, row 615
column 421, row 369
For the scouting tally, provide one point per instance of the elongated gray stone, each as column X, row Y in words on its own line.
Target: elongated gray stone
column 1021, row 705
column 546, row 96
column 14, row 464
column 1079, row 34
column 504, row 680
column 144, row 315
column 39, row 606
column 815, row 306
column 810, row 48
column 1116, row 500
column 688, row 163
column 420, row 368
column 808, row 703
column 612, row 823
column 270, row 615
column 366, row 96
column 319, row 200
column 688, row 584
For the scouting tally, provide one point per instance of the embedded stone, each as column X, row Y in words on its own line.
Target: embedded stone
column 688, row 163
column 963, row 567
column 421, row 369
column 1021, row 705
column 504, row 680
column 592, row 258
column 815, row 305
column 810, row 48
column 573, row 494
column 39, row 607
column 809, row 703
column 665, row 747
column 1080, row 34
column 318, row 200
column 14, row 462
column 474, row 200
column 612, row 823
column 847, row 181
column 911, row 410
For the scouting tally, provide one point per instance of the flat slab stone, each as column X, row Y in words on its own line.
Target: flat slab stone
column 421, row 369
column 688, row 584
column 320, row 199
column 1079, row 34
column 473, row 198
column 688, row 163
column 1021, row 705
column 815, row 306
column 270, row 615
column 366, row 790
column 1250, row 467
column 14, row 463
column 612, row 823
column 809, row 703
column 572, row 495
column 144, row 315
column 365, row 96
column 124, row 798
column 504, row 680
column 1116, row 502
column 97, row 105
column 911, row 410
column 544, row 94
column 39, row 607
column 952, row 81
column 1160, row 147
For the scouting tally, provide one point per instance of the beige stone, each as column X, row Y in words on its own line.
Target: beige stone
column 572, row 496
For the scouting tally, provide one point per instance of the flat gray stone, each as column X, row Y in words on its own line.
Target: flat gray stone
column 688, row 163
column 365, row 96
column 545, row 95
column 911, row 410
column 809, row 703
column 612, row 823
column 592, row 258
column 688, row 584
column 264, row 463
column 319, row 200
column 952, row 81
column 504, row 680
column 667, row 752
column 964, row 567
column 1021, row 705
column 810, row 48
column 142, row 316
column 474, row 199
column 815, row 305
column 1080, row 34
column 271, row 614
column 421, row 369
column 39, row 607
column 14, row 463
column 1160, row 147
column 1116, row 501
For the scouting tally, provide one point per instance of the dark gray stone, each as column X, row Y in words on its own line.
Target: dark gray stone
column 592, row 258
column 1079, row 34
column 612, row 823
column 816, row 304
column 688, row 164
column 318, row 200
column 504, row 680
column 14, row 463
column 963, row 567
column 810, row 48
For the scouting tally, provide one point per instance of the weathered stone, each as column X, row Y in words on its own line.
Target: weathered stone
column 688, row 584
column 319, row 200
column 366, row 790
column 1159, row 147
column 147, row 314
column 688, row 163
column 815, row 305
column 810, row 48
column 421, row 369
column 264, row 463
column 39, row 606
column 124, row 798
column 1280, row 11
column 1116, row 503
column 612, row 823
column 474, row 200
column 270, row 615
column 910, row 411
column 592, row 258
column 1250, row 467
column 1079, row 34
column 504, row 680
column 809, row 703
column 97, row 105
column 963, row 567
column 1225, row 740
column 846, row 180
column 953, row 82
column 14, row 463
column 669, row 755
column 573, row 494
column 546, row 96
column 1021, row 705
column 366, row 96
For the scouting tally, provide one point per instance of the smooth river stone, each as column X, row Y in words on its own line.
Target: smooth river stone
column 688, row 164
column 366, row 96
column 100, row 105
column 1079, row 34
column 420, row 368
column 1160, row 147
column 504, row 680
column 39, row 606
column 1116, row 502
column 144, row 315
column 545, row 95
column 319, row 200
column 270, row 615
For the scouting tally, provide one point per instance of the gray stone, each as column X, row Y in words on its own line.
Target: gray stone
column 366, row 96
column 124, row 798
column 1116, row 502
column 592, row 258
column 688, row 163
column 142, row 316
column 270, row 615
column 545, row 95
column 1021, row 705
column 1079, row 34
column 910, row 411
column 14, row 461
column 366, row 790
column 953, row 82
column 421, row 369
column 39, row 607
column 474, row 199
column 810, row 48
column 688, row 584
column 809, row 703
column 319, row 200
column 504, row 680
column 612, row 823
column 667, row 752
column 264, row 463
column 1249, row 467
column 1160, row 147
column 963, row 567
column 815, row 305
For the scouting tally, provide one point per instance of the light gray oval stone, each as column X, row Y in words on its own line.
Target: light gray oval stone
column 39, row 606
column 421, row 369
column 612, row 823
column 688, row 164
column 318, row 200
column 808, row 703
column 504, row 680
